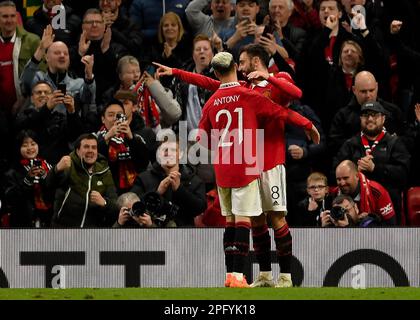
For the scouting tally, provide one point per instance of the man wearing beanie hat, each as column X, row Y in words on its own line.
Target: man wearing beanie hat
column 231, row 111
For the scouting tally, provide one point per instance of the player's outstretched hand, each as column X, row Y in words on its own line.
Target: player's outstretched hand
column 162, row 70
column 313, row 135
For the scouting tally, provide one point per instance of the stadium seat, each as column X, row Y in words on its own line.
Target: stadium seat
column 413, row 206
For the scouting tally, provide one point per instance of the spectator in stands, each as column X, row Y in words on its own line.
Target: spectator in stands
column 340, row 78
column 219, row 20
column 408, row 56
column 322, row 50
column 44, row 16
column 81, row 89
column 279, row 58
column 98, row 40
column 379, row 155
column 306, row 16
column 16, row 47
column 302, row 156
column 128, row 217
column 27, row 199
column 128, row 70
column 371, row 15
column 175, row 46
column 124, row 32
column 243, row 32
column 317, row 201
column 346, row 214
column 175, row 182
column 411, row 139
column 125, row 150
column 190, row 97
column 146, row 14
column 291, row 38
column 85, row 192
column 346, row 122
column 155, row 104
column 55, row 130
column 370, row 196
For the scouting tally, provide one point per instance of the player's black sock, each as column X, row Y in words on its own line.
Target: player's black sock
column 228, row 239
column 261, row 242
column 242, row 244
column 283, row 240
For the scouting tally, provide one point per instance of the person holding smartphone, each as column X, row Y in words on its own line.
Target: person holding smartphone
column 244, row 31
column 27, row 199
column 55, row 130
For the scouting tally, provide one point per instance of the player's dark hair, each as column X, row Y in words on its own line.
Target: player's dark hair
column 256, row 50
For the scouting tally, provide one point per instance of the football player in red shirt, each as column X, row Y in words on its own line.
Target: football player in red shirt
column 231, row 118
column 253, row 63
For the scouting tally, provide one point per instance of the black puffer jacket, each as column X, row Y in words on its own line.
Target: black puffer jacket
column 73, row 186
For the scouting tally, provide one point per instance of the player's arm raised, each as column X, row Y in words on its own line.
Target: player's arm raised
column 189, row 77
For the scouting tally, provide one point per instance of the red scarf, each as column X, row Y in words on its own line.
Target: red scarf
column 329, row 51
column 119, row 153
column 367, row 203
column 39, row 202
column 147, row 105
column 369, row 149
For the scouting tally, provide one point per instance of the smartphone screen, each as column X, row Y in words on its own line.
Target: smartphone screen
column 150, row 69
column 62, row 88
column 268, row 29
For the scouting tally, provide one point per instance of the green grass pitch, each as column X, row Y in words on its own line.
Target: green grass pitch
column 402, row 293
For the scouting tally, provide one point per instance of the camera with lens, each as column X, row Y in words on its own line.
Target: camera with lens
column 337, row 213
column 121, row 117
column 138, row 209
column 160, row 209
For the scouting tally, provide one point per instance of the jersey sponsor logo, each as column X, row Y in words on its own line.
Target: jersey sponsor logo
column 386, row 210
column 275, row 203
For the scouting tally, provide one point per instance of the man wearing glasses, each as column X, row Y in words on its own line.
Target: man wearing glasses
column 54, row 129
column 378, row 154
column 97, row 40
column 124, row 31
column 346, row 121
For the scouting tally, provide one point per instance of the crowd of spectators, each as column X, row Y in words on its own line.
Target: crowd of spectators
column 82, row 105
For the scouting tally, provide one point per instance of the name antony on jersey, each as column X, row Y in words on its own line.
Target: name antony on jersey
column 228, row 99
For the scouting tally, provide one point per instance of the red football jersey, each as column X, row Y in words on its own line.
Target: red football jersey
column 277, row 89
column 231, row 118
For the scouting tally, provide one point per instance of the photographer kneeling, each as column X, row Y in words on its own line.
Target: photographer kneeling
column 345, row 213
column 134, row 213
